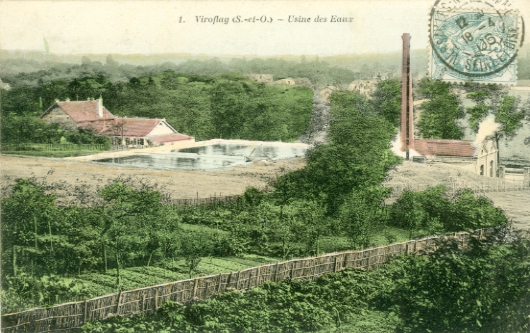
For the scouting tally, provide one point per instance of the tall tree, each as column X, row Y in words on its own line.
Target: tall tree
column 439, row 115
column 508, row 111
column 387, row 100
column 26, row 218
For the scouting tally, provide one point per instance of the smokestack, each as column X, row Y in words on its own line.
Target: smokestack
column 407, row 116
column 100, row 107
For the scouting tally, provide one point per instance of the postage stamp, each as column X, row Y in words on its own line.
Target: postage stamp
column 474, row 45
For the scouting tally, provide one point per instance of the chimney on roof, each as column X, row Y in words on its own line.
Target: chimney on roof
column 100, row 107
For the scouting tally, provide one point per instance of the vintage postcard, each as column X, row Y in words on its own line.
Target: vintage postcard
column 265, row 166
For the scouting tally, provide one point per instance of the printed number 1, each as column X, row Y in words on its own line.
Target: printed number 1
column 468, row 37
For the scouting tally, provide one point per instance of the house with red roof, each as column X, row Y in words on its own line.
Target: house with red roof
column 92, row 115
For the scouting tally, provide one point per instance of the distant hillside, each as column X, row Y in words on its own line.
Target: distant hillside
column 363, row 66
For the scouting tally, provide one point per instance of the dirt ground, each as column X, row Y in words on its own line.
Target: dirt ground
column 190, row 184
column 179, row 183
column 516, row 206
column 432, row 174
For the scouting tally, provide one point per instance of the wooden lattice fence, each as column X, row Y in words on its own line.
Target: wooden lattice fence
column 479, row 188
column 205, row 201
column 70, row 317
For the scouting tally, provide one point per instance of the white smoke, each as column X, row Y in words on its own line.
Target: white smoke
column 487, row 127
column 4, row 86
column 395, row 146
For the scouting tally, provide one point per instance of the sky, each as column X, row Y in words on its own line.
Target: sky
column 154, row 27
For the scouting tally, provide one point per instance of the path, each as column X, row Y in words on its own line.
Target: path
column 317, row 132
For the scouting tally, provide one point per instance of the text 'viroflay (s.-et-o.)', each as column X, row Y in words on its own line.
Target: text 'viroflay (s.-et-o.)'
column 218, row 19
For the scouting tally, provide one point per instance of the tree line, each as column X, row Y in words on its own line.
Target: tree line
column 224, row 106
column 442, row 113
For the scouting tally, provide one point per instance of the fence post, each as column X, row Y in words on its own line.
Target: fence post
column 275, row 272
column 85, row 311
column 118, row 304
column 237, row 281
column 335, row 265
column 156, row 299
column 195, row 285
column 219, row 283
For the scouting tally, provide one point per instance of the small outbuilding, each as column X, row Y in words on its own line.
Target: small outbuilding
column 483, row 156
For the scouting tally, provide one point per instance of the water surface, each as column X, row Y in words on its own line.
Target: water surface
column 217, row 156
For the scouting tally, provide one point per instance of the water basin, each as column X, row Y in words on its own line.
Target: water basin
column 218, row 156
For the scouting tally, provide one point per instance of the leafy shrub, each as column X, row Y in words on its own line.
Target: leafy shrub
column 432, row 211
column 480, row 290
column 25, row 290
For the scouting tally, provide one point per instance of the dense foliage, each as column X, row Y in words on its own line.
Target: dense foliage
column 387, row 101
column 223, row 106
column 29, row 129
column 431, row 210
column 439, row 115
column 483, row 289
column 356, row 159
column 492, row 102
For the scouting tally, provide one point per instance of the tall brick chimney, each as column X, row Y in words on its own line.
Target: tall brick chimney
column 100, row 107
column 407, row 116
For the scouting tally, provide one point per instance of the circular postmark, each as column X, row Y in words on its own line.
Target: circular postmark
column 474, row 43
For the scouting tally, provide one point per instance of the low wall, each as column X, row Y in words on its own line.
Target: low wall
column 70, row 317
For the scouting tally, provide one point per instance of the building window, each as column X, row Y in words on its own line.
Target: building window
column 491, row 168
column 482, row 170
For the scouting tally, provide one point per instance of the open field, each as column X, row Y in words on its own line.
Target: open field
column 139, row 277
column 516, row 206
column 433, row 174
column 180, row 184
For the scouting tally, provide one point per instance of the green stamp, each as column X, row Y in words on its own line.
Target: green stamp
column 474, row 45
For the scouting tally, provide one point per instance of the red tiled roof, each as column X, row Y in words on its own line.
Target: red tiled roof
column 132, row 127
column 429, row 147
column 82, row 111
column 170, row 138
column 99, row 126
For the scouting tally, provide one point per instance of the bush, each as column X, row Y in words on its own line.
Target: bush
column 432, row 211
